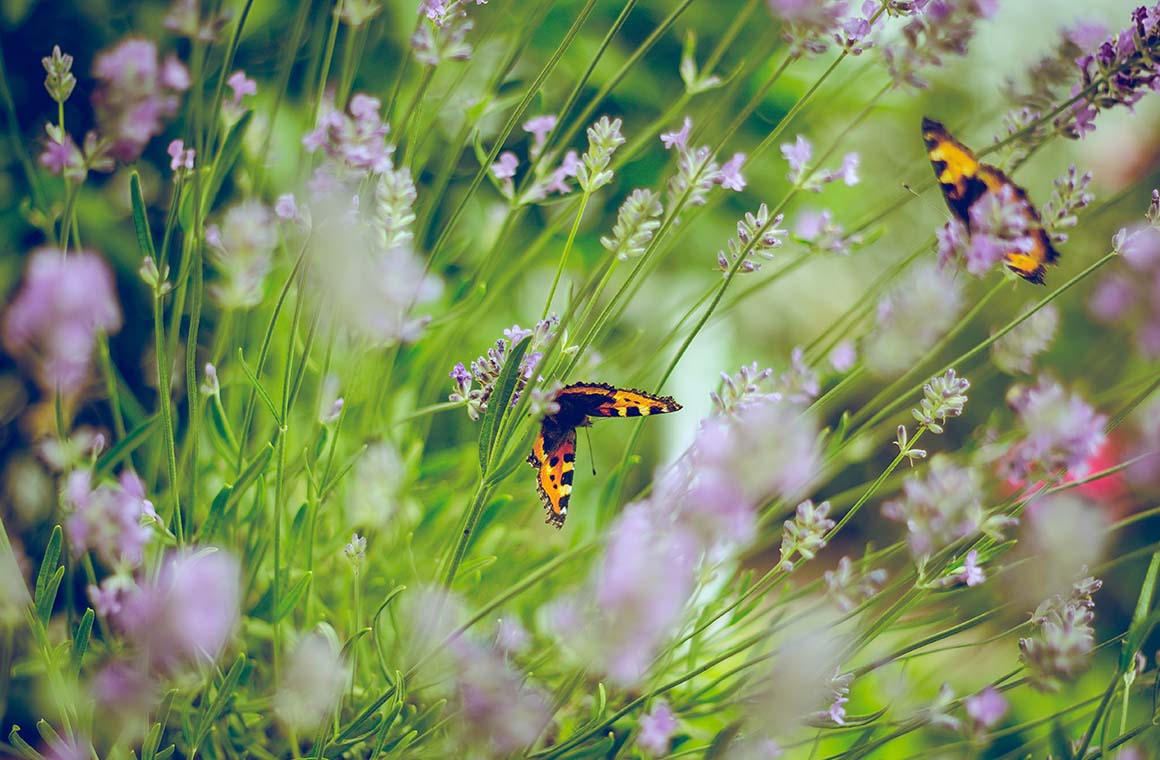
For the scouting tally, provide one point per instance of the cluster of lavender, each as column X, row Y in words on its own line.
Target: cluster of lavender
column 485, row 370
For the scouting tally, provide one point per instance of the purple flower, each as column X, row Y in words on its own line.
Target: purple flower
column 809, row 24
column 54, row 319
column 1112, row 298
column 1060, row 649
column 731, row 178
column 511, row 637
column 539, row 127
column 486, row 369
column 107, row 519
column 849, row 170
column 135, row 95
column 505, row 167
column 187, row 614
column 63, row 157
column 286, row 207
column 849, row 588
column 805, row 535
column 180, row 158
column 243, row 87
column 941, row 505
column 843, row 356
column 1060, row 430
column 986, row 708
column 798, row 155
column 969, row 573
column 680, row 138
column 354, row 143
column 656, row 729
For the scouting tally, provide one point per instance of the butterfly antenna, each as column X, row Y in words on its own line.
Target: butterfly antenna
column 591, row 456
column 906, row 186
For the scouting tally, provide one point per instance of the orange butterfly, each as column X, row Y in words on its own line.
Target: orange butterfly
column 964, row 179
column 554, row 451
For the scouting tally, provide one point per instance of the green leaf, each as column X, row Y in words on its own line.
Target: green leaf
column 44, row 605
column 127, row 445
column 499, row 403
column 140, row 220
column 479, row 563
column 22, row 746
column 80, row 643
column 1142, row 622
column 219, row 703
column 217, row 509
column 231, row 149
column 166, row 753
column 253, row 470
column 265, row 397
column 722, row 740
column 1060, row 743
column 48, row 734
column 290, row 600
column 48, row 565
column 220, row 425
column 598, row 749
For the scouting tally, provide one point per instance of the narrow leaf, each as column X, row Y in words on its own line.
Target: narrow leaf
column 45, row 603
column 48, row 564
column 290, row 600
column 80, row 643
column 500, row 401
column 140, row 220
column 265, row 397
column 127, row 445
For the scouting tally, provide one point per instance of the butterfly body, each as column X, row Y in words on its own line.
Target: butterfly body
column 554, row 450
column 964, row 179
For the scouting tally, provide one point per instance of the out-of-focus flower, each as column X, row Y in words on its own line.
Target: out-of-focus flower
column 486, row 369
column 1060, row 649
column 849, row 588
column 749, row 385
column 313, row 680
column 180, row 157
column 354, row 143
column 499, row 711
column 54, row 320
column 758, row 236
column 1060, row 430
column 805, row 175
column 184, row 19
column 778, row 434
column 912, row 316
column 731, row 178
column 187, row 613
column 678, row 139
column 505, row 167
column 135, row 95
column 443, row 35
column 1134, row 296
column 511, row 637
column 843, row 356
column 942, row 505
column 241, row 250
column 817, row 231
column 1062, row 535
column 377, row 493
column 968, row 573
column 986, row 709
column 636, row 223
column 356, row 13
column 1069, row 197
column 233, row 109
column 1013, row 353
column 107, row 518
column 543, row 401
column 935, row 30
column 656, row 729
column 367, row 288
column 805, row 535
column 62, row 156
column 539, row 127
column 809, row 24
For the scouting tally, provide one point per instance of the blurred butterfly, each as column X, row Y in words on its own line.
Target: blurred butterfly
column 964, row 179
column 554, row 450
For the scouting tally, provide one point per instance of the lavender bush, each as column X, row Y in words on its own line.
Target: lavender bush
column 259, row 500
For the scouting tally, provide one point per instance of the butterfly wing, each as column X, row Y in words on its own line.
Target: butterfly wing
column 955, row 168
column 1030, row 265
column 963, row 179
column 554, row 456
column 603, row 400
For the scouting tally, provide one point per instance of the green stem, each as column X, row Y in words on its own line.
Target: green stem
column 564, row 255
